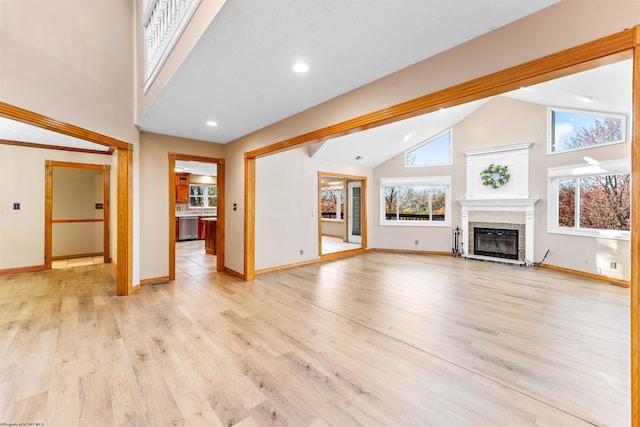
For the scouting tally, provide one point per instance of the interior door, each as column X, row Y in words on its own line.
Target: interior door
column 355, row 212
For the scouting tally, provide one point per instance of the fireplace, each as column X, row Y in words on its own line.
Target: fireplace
column 495, row 242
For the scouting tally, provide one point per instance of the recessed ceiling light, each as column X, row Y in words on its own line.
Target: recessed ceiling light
column 300, row 67
column 212, row 123
column 586, row 98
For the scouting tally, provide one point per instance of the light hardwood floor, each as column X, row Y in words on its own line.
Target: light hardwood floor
column 376, row 339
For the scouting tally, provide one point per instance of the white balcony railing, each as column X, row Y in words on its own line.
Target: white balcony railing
column 164, row 21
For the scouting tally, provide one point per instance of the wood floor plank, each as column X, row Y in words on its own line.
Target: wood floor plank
column 376, row 339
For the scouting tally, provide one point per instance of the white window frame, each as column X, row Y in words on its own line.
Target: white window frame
column 444, row 181
column 550, row 129
column 204, row 196
column 426, row 142
column 610, row 167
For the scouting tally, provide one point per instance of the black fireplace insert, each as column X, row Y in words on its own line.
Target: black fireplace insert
column 495, row 242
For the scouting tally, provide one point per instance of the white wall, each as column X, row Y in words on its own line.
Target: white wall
column 22, row 180
column 75, row 193
column 287, row 206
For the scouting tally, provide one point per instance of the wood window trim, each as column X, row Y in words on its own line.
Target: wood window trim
column 613, row 48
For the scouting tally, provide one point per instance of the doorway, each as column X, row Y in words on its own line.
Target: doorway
column 342, row 213
column 196, row 203
column 77, row 213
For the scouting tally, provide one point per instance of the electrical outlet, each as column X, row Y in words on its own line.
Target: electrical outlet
column 416, row 242
column 614, row 265
column 16, row 206
column 301, row 252
column 586, row 260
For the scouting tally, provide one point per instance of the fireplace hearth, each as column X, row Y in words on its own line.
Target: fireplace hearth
column 495, row 242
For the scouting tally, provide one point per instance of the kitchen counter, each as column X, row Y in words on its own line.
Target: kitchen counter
column 196, row 213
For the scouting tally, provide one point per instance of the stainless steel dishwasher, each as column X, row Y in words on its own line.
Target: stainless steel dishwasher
column 188, row 228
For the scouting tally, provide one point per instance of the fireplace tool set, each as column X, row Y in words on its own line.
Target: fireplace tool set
column 457, row 244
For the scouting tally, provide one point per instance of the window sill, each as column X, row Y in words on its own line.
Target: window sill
column 417, row 223
column 597, row 234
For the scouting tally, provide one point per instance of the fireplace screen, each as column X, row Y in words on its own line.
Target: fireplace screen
column 495, row 242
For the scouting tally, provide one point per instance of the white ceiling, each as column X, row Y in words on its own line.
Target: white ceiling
column 11, row 130
column 604, row 89
column 240, row 72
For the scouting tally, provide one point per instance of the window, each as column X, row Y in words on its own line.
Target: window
column 332, row 199
column 423, row 201
column 592, row 199
column 203, row 196
column 433, row 152
column 575, row 130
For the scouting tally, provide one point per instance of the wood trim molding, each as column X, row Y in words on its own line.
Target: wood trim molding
column 155, row 281
column 124, row 268
column 54, row 147
column 39, row 120
column 220, row 223
column 249, row 218
column 29, row 269
column 363, row 201
column 48, row 213
column 106, row 197
column 71, row 256
column 234, row 273
column 598, row 277
column 342, row 254
column 635, row 238
column 70, row 221
column 569, row 61
column 106, row 214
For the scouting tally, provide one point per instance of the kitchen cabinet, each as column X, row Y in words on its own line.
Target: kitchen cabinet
column 182, row 187
column 210, row 235
column 201, row 226
column 177, row 229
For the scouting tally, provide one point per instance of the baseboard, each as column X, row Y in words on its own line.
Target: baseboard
column 600, row 277
column 234, row 273
column 154, row 280
column 342, row 254
column 29, row 269
column 287, row 266
column 408, row 251
column 54, row 258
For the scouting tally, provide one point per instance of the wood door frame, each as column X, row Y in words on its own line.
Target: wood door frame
column 172, row 209
column 124, row 184
column 622, row 45
column 363, row 205
column 48, row 204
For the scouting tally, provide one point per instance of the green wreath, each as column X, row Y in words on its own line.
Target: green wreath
column 495, row 176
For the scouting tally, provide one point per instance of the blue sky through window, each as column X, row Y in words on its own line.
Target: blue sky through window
column 565, row 124
column 435, row 152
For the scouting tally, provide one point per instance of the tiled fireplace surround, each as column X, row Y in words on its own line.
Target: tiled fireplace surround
column 506, row 207
column 517, row 214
